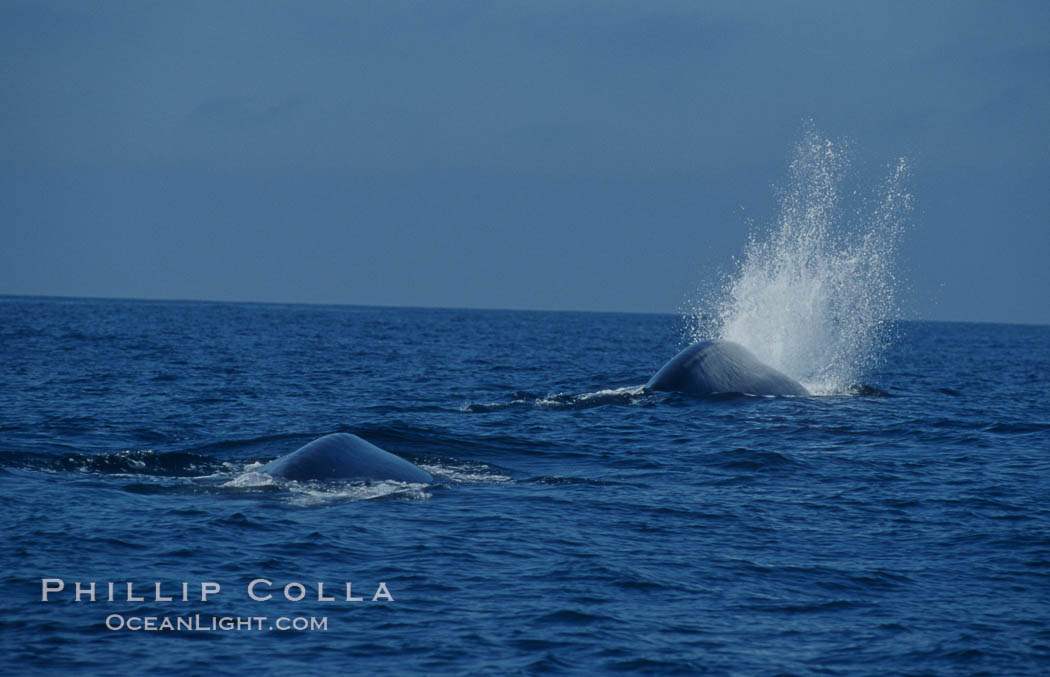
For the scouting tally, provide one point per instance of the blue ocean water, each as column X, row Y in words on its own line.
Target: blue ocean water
column 577, row 525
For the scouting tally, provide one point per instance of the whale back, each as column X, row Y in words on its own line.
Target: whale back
column 341, row 456
column 722, row 367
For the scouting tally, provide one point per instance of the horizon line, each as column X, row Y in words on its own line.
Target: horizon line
column 146, row 299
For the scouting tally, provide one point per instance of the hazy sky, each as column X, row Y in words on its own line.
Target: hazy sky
column 563, row 155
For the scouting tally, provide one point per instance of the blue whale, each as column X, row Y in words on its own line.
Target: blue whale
column 342, row 456
column 721, row 367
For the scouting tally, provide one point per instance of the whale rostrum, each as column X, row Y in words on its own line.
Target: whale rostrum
column 720, row 366
column 341, row 456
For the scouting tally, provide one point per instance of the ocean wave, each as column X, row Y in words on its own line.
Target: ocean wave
column 139, row 462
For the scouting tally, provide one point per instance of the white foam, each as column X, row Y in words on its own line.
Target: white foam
column 466, row 473
column 314, row 493
column 565, row 400
column 309, row 494
column 251, row 479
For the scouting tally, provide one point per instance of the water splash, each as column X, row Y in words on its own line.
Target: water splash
column 812, row 298
column 311, row 493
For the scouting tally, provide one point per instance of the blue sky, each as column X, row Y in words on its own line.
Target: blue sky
column 558, row 155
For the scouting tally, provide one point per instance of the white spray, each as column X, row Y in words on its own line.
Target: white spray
column 813, row 297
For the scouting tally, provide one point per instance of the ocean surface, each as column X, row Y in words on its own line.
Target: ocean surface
column 576, row 525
